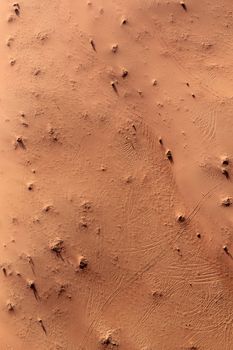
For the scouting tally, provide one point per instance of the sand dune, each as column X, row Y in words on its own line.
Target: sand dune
column 116, row 175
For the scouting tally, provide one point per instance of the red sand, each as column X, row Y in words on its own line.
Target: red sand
column 105, row 242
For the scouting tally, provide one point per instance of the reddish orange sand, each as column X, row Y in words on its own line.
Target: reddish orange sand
column 109, row 241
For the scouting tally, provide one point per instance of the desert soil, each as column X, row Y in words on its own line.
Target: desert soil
column 116, row 156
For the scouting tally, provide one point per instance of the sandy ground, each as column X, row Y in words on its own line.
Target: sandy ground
column 116, row 175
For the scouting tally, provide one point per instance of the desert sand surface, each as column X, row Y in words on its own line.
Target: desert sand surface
column 116, row 156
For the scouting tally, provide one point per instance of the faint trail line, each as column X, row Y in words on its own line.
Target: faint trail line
column 113, row 295
column 196, row 209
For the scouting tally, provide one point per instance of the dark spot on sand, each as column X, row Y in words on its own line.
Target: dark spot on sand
column 180, row 218
column 83, row 263
column 57, row 246
column 93, row 44
column 124, row 21
column 227, row 202
column 16, row 8
column 182, row 3
column 124, row 73
column 10, row 306
column 225, row 173
column 169, row 156
column 113, row 84
column 114, row 48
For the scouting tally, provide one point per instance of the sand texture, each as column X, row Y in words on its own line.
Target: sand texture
column 116, row 170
